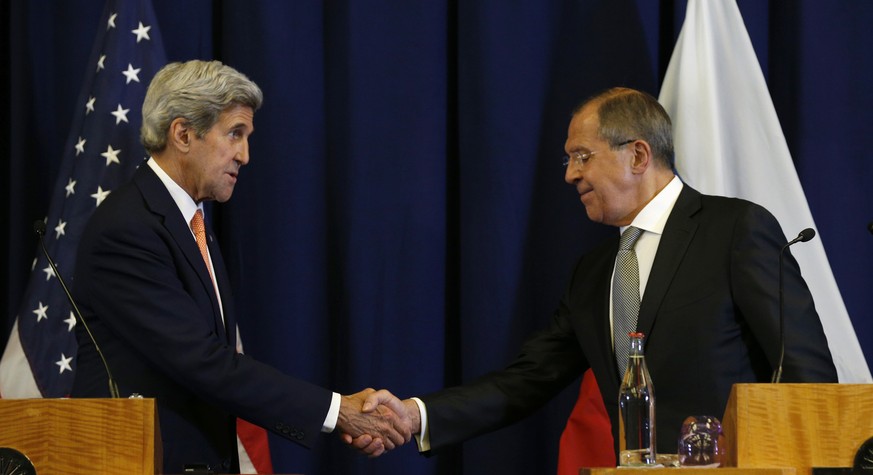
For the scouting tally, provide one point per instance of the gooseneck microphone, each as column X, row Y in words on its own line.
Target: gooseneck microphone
column 39, row 229
column 804, row 236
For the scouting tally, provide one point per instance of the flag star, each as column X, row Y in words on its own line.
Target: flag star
column 49, row 272
column 89, row 106
column 70, row 321
column 100, row 195
column 141, row 32
column 111, row 155
column 131, row 73
column 64, row 363
column 100, row 62
column 71, row 187
column 111, row 22
column 41, row 312
column 59, row 229
column 120, row 114
column 80, row 146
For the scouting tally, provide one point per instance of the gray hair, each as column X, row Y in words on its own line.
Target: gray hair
column 627, row 114
column 197, row 91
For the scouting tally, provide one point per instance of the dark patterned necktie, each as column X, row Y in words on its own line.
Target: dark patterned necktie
column 625, row 295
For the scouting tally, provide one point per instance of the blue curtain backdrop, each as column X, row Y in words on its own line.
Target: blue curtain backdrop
column 403, row 222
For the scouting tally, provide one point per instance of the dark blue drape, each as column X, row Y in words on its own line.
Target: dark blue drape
column 403, row 222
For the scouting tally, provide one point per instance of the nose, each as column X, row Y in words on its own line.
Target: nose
column 572, row 174
column 242, row 155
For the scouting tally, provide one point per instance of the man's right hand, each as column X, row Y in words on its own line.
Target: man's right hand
column 407, row 413
column 374, row 422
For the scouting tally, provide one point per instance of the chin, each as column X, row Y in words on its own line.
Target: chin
column 594, row 216
column 221, row 198
column 224, row 196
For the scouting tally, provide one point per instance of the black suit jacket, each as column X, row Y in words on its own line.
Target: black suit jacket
column 145, row 292
column 710, row 314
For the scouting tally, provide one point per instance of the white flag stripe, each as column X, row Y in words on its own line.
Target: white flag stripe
column 16, row 379
column 729, row 142
column 245, row 463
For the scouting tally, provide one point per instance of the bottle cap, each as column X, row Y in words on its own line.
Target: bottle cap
column 636, row 335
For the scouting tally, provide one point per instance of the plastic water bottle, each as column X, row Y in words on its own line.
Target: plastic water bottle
column 636, row 409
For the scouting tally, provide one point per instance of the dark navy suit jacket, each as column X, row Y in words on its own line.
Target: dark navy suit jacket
column 710, row 313
column 143, row 288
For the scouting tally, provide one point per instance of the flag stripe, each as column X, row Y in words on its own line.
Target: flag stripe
column 16, row 378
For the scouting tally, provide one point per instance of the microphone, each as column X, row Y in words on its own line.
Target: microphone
column 39, row 229
column 804, row 236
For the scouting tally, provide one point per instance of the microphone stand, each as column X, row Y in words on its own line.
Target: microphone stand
column 39, row 227
column 777, row 375
column 804, row 236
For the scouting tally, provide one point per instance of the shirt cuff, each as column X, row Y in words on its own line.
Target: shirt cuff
column 422, row 439
column 332, row 414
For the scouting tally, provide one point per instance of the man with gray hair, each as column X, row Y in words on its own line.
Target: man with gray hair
column 152, row 287
column 703, row 286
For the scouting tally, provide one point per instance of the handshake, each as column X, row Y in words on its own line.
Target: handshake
column 374, row 422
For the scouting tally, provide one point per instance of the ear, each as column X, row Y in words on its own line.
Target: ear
column 642, row 158
column 180, row 135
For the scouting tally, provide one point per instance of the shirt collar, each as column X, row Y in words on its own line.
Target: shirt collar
column 183, row 200
column 653, row 217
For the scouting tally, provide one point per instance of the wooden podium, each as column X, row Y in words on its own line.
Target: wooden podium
column 797, row 425
column 75, row 436
column 785, row 429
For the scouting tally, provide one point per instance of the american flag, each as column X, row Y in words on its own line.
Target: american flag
column 102, row 152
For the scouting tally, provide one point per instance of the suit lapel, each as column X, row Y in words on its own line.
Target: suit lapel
column 160, row 202
column 223, row 281
column 678, row 232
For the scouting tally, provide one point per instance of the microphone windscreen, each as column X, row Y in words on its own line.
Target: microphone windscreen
column 807, row 234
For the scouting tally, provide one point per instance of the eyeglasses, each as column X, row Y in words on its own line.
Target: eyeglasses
column 581, row 158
